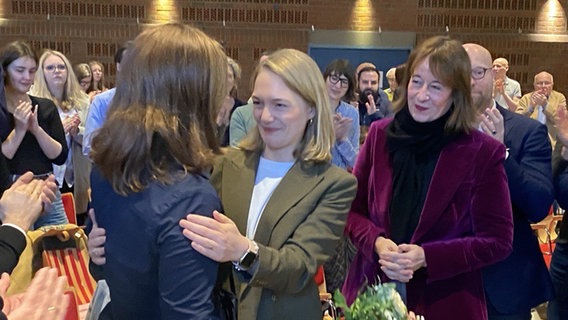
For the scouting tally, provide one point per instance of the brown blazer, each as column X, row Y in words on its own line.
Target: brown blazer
column 555, row 100
column 298, row 231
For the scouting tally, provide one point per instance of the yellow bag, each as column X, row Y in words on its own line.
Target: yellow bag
column 60, row 246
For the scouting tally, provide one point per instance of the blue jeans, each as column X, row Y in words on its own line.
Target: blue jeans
column 558, row 308
column 56, row 214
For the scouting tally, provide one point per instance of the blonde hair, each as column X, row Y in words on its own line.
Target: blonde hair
column 73, row 96
column 450, row 63
column 161, row 120
column 99, row 86
column 301, row 75
column 236, row 75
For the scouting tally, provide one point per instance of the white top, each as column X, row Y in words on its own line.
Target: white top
column 65, row 170
column 268, row 176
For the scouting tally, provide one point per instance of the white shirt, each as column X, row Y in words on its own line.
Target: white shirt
column 268, row 176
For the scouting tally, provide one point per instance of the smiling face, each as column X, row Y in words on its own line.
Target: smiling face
column 55, row 72
column 20, row 74
column 337, row 90
column 428, row 98
column 281, row 115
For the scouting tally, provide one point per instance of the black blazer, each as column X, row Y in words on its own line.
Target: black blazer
column 12, row 244
column 522, row 281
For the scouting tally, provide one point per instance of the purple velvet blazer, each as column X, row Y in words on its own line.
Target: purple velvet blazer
column 465, row 224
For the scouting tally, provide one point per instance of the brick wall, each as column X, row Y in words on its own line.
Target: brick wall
column 87, row 29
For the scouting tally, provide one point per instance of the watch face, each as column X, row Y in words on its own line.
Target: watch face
column 248, row 259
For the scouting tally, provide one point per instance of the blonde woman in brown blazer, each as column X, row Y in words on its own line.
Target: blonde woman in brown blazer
column 285, row 205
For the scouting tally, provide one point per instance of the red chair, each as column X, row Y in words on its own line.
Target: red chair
column 69, row 206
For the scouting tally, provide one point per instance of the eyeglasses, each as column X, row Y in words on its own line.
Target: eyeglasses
column 479, row 72
column 52, row 67
column 334, row 79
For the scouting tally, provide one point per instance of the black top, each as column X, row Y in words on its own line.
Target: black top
column 12, row 244
column 29, row 156
column 414, row 149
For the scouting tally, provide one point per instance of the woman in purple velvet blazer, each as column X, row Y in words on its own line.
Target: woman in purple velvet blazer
column 432, row 205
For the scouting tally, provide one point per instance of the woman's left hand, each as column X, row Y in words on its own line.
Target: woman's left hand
column 411, row 256
column 217, row 238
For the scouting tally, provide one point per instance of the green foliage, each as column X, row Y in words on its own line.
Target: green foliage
column 378, row 302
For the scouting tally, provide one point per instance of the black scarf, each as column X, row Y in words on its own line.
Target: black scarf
column 414, row 148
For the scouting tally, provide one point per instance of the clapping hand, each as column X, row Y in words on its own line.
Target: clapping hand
column 341, row 126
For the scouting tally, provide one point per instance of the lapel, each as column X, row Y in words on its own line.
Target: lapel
column 508, row 125
column 295, row 185
column 454, row 164
column 238, row 182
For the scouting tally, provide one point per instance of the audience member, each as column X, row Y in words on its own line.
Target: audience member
column 558, row 308
column 20, row 206
column 98, row 83
column 37, row 140
column 373, row 102
column 529, row 175
column 242, row 120
column 399, row 75
column 432, row 206
column 391, row 78
column 506, row 91
column 152, row 175
column 55, row 80
column 543, row 103
column 285, row 204
column 340, row 83
column 230, row 104
column 84, row 76
column 99, row 106
column 4, row 123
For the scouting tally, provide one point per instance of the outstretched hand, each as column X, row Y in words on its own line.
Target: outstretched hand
column 217, row 238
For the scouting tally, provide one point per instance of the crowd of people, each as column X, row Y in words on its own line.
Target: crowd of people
column 431, row 184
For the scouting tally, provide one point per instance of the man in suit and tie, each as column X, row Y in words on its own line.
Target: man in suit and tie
column 520, row 282
column 542, row 104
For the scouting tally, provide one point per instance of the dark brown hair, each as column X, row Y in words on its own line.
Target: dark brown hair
column 450, row 63
column 160, row 122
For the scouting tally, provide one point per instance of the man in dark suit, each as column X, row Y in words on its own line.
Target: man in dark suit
column 520, row 282
column 558, row 308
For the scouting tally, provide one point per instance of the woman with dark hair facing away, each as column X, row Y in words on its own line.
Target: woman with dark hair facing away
column 286, row 216
column 151, row 162
column 432, row 206
column 37, row 140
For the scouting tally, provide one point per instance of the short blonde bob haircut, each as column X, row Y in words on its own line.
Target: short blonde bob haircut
column 302, row 75
column 73, row 95
column 160, row 124
column 450, row 63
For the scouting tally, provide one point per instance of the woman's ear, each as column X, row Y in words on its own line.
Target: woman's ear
column 312, row 113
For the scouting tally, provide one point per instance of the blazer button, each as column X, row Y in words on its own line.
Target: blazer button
column 274, row 298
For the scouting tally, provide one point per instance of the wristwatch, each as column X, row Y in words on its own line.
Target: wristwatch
column 248, row 258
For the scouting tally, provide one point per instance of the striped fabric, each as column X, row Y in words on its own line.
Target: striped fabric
column 71, row 263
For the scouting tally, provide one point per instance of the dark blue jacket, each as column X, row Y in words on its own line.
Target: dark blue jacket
column 521, row 281
column 151, row 269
